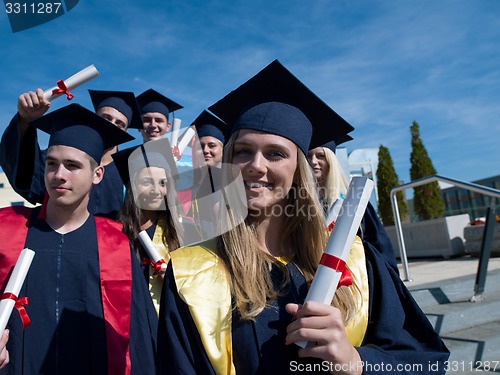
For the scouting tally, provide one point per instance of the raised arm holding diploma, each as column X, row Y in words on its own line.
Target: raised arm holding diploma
column 10, row 295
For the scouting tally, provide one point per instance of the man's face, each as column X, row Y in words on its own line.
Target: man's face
column 114, row 116
column 69, row 176
column 155, row 125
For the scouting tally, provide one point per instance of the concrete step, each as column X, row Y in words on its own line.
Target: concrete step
column 448, row 307
column 471, row 330
column 475, row 349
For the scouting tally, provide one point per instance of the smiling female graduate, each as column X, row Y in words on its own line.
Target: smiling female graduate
column 233, row 305
column 89, row 306
column 148, row 171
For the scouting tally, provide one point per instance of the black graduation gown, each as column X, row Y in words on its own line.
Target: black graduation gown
column 24, row 165
column 398, row 331
column 202, row 205
column 67, row 332
column 373, row 231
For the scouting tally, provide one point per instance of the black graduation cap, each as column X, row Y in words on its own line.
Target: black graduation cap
column 123, row 101
column 152, row 101
column 332, row 145
column 209, row 125
column 76, row 126
column 156, row 153
column 275, row 101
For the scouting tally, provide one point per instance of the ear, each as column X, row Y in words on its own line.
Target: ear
column 98, row 175
column 169, row 125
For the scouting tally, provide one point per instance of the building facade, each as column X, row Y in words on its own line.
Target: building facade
column 462, row 201
column 8, row 197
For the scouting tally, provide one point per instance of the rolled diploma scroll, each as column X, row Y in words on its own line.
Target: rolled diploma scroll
column 186, row 138
column 339, row 244
column 14, row 285
column 175, row 132
column 334, row 212
column 78, row 79
column 147, row 244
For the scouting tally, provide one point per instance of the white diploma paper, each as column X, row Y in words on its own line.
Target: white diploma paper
column 148, row 245
column 175, row 132
column 334, row 212
column 186, row 139
column 14, row 285
column 78, row 79
column 326, row 279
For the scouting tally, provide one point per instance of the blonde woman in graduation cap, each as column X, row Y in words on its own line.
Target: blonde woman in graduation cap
column 330, row 178
column 233, row 305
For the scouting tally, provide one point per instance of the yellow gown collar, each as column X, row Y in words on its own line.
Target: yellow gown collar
column 203, row 285
column 156, row 282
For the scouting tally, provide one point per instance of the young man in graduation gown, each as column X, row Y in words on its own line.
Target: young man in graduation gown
column 155, row 110
column 23, row 162
column 89, row 306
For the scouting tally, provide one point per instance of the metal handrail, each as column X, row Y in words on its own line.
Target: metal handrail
column 485, row 190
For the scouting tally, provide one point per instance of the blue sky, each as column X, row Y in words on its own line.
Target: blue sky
column 379, row 63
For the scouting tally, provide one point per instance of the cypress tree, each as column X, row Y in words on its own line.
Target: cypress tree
column 387, row 179
column 426, row 198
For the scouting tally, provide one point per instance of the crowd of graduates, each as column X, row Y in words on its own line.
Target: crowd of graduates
column 240, row 236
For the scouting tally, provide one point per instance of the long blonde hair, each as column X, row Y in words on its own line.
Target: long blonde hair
column 336, row 181
column 248, row 266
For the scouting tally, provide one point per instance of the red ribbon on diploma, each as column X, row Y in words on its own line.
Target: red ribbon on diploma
column 176, row 152
column 19, row 305
column 62, row 90
column 155, row 265
column 338, row 265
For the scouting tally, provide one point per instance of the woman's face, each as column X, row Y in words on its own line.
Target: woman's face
column 268, row 163
column 212, row 150
column 151, row 188
column 317, row 161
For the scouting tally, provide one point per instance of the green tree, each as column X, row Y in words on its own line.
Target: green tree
column 387, row 179
column 427, row 199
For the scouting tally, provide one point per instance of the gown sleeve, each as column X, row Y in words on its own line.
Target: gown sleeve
column 399, row 336
column 180, row 350
column 375, row 233
column 23, row 162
